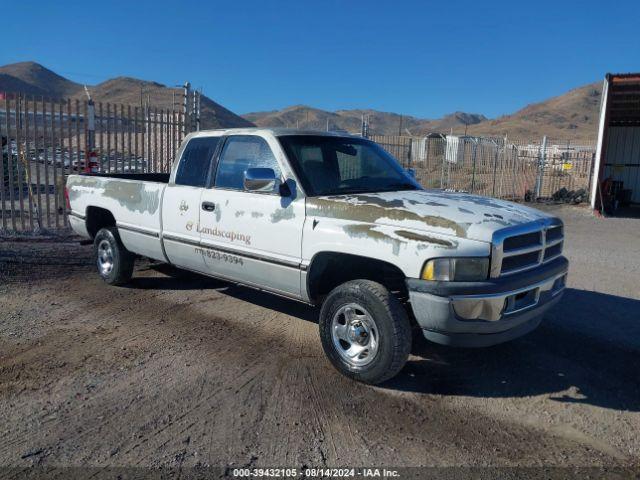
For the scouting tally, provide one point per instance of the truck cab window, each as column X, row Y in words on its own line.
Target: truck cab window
column 240, row 153
column 195, row 161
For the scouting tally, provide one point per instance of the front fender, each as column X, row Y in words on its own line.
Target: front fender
column 405, row 248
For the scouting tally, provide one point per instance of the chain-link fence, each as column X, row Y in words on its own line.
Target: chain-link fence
column 496, row 167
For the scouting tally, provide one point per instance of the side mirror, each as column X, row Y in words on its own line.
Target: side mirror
column 259, row 180
column 411, row 172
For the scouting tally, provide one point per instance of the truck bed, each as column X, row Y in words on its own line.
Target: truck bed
column 144, row 177
column 133, row 200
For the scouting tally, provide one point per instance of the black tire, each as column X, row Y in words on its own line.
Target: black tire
column 391, row 323
column 122, row 259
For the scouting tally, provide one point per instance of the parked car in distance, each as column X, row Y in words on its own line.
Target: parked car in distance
column 332, row 220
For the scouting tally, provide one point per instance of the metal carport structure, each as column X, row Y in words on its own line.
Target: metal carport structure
column 618, row 148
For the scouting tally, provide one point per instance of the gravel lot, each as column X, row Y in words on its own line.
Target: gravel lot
column 180, row 370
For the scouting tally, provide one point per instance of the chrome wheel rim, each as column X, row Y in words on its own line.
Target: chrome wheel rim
column 355, row 335
column 105, row 258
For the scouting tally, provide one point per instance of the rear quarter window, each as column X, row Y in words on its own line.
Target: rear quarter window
column 195, row 161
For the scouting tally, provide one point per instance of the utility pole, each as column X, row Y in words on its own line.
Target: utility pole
column 400, row 127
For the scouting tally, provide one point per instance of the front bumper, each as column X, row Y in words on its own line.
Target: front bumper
column 478, row 314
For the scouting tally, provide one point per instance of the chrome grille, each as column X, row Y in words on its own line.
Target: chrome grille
column 522, row 247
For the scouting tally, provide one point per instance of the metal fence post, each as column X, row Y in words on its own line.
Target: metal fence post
column 193, row 109
column 503, row 165
column 444, row 157
column 593, row 162
column 20, row 154
column 4, row 168
column 10, row 172
column 474, row 157
column 541, row 162
column 495, row 168
column 90, row 148
column 185, row 107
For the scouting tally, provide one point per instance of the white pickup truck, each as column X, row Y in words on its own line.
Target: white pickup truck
column 332, row 220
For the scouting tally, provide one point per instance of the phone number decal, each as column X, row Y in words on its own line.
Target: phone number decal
column 216, row 255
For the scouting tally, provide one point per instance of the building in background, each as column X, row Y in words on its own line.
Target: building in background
column 616, row 177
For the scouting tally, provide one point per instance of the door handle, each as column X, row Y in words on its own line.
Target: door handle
column 208, row 206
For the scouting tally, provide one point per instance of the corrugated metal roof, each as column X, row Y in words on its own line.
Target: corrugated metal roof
column 624, row 99
column 623, row 77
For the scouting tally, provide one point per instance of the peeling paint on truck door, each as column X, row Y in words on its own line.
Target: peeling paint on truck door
column 182, row 207
column 252, row 237
column 180, row 218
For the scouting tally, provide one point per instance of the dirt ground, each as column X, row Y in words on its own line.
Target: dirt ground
column 180, row 370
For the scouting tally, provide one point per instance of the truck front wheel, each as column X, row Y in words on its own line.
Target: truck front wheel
column 114, row 261
column 365, row 331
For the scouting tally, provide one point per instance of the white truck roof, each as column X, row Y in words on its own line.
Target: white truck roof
column 279, row 131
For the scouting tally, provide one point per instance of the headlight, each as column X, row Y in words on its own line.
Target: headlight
column 456, row 269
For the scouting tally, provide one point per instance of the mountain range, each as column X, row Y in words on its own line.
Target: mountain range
column 33, row 79
column 384, row 123
column 573, row 115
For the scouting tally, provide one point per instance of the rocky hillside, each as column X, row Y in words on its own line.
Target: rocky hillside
column 383, row 123
column 573, row 116
column 34, row 79
column 129, row 91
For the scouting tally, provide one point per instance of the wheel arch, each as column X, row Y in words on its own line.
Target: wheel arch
column 97, row 218
column 328, row 269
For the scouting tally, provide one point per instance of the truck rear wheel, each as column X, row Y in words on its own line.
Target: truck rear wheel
column 365, row 331
column 114, row 261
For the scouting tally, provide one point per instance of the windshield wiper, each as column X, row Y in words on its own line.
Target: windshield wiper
column 399, row 186
column 385, row 188
column 341, row 191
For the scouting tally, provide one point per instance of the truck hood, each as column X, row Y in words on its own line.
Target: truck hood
column 449, row 213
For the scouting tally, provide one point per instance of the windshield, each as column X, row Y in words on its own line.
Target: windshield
column 333, row 165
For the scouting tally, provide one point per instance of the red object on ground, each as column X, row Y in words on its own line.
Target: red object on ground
column 66, row 198
column 91, row 164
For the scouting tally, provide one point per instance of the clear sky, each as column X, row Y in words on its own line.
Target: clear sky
column 416, row 57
